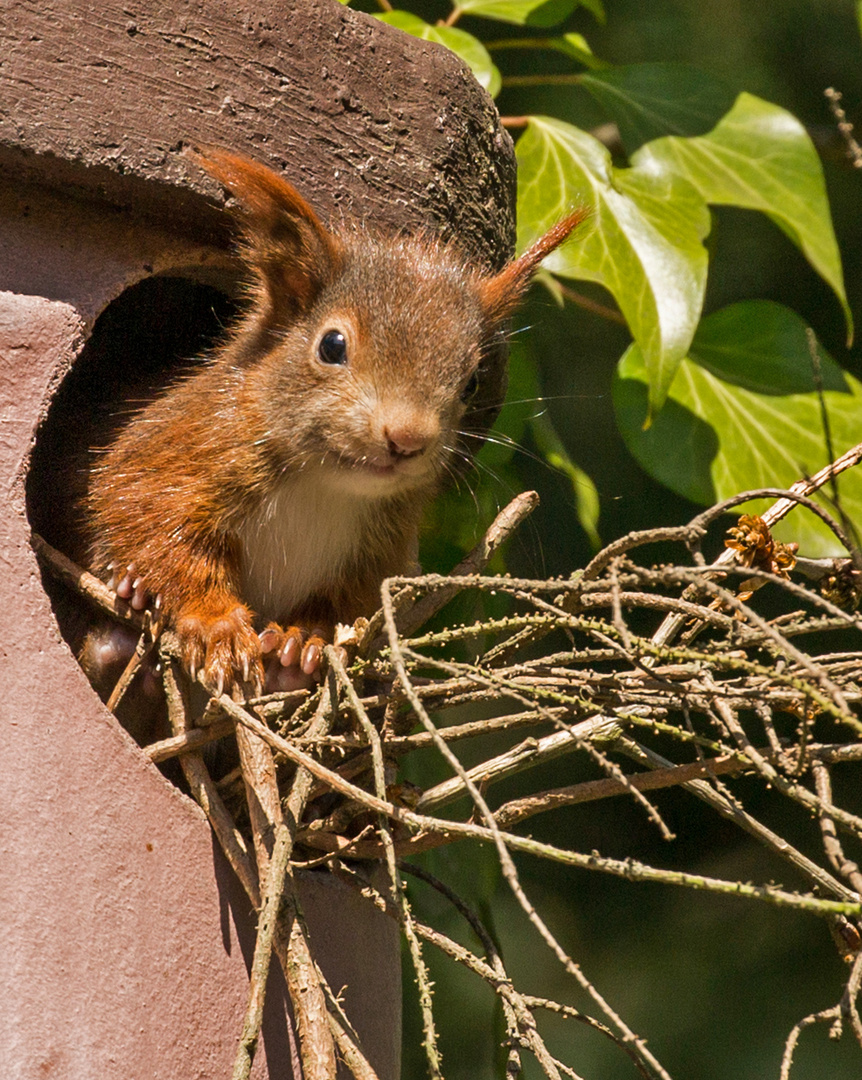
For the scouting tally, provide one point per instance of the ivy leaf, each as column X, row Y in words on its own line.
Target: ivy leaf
column 528, row 12
column 525, row 409
column 552, row 449
column 576, row 47
column 643, row 241
column 648, row 101
column 469, row 48
column 743, row 413
column 760, row 157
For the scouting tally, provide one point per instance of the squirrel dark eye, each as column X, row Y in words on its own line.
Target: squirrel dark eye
column 471, row 387
column 332, row 348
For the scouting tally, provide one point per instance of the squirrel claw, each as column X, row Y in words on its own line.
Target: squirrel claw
column 311, row 656
column 140, row 597
column 224, row 647
column 270, row 639
column 291, row 654
column 296, row 652
column 125, row 586
column 132, row 588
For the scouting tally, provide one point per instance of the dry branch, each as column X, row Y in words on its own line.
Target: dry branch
column 755, row 695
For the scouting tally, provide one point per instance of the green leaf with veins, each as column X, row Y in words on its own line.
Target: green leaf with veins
column 743, row 413
column 577, row 48
column 642, row 242
column 528, row 12
column 759, row 157
column 469, row 48
column 647, row 101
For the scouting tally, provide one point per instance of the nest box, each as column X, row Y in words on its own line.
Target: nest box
column 125, row 937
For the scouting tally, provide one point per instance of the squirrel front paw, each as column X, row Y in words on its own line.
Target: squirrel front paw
column 223, row 645
column 296, row 655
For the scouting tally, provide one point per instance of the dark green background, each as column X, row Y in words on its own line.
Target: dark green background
column 714, row 984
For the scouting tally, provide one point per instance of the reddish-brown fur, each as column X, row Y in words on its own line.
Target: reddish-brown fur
column 277, row 486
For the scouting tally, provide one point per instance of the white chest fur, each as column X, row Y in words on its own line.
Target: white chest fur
column 297, row 543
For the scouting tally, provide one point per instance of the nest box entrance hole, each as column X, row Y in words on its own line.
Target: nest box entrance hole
column 144, row 340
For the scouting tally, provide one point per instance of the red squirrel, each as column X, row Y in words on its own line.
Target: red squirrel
column 266, row 496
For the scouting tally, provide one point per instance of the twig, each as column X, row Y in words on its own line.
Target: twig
column 446, row 831
column 525, row 755
column 831, row 844
column 517, row 810
column 316, row 1040
column 266, row 925
column 261, row 787
column 204, row 790
column 491, row 973
column 515, row 1021
column 423, row 979
column 854, row 150
column 729, row 808
column 188, row 741
column 349, row 1050
column 313, row 1019
column 506, row 862
column 779, row 509
column 603, row 559
column 846, row 1008
column 575, row 1014
column 143, row 649
column 412, row 616
column 85, row 583
column 822, row 1017
column 796, row 792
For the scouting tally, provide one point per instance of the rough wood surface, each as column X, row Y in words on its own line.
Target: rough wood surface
column 363, row 118
column 135, row 951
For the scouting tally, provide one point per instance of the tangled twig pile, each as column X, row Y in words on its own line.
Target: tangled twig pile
column 581, row 666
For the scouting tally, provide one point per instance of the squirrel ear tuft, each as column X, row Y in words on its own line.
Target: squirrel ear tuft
column 502, row 293
column 294, row 254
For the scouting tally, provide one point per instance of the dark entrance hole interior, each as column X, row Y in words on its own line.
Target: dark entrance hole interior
column 144, row 340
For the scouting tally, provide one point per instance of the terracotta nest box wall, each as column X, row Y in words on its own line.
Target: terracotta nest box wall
column 125, row 937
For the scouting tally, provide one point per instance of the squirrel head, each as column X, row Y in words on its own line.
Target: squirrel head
column 376, row 356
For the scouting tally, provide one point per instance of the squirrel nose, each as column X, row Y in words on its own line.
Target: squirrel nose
column 409, row 436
